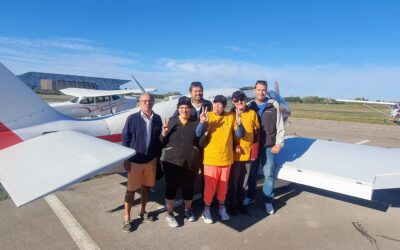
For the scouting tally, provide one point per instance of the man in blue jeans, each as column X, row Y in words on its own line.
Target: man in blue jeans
column 270, row 141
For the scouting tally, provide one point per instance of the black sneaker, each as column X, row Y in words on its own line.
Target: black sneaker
column 146, row 217
column 127, row 227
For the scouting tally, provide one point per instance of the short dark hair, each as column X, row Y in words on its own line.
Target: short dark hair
column 220, row 99
column 262, row 82
column 196, row 85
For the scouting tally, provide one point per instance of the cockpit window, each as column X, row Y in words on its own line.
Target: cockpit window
column 74, row 100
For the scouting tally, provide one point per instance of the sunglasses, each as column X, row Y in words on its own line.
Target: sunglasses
column 238, row 100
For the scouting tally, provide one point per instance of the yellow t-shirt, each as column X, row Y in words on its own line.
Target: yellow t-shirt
column 219, row 150
column 250, row 123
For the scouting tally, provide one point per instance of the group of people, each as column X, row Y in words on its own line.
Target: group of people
column 227, row 147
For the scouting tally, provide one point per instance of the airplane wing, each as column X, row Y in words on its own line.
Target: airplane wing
column 366, row 102
column 42, row 165
column 355, row 170
column 139, row 91
column 78, row 92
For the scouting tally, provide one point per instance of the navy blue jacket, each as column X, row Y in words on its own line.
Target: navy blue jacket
column 134, row 136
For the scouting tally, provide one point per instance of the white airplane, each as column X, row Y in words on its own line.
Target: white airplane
column 89, row 103
column 42, row 151
column 394, row 108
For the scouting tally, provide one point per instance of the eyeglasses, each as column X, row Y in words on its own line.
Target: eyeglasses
column 146, row 101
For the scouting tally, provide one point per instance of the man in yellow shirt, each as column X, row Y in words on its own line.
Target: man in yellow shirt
column 242, row 153
column 218, row 153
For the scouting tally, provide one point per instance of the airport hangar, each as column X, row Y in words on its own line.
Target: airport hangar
column 48, row 82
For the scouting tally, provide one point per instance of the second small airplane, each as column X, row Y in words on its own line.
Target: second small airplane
column 89, row 103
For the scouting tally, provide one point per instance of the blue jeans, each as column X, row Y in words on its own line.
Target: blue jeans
column 266, row 159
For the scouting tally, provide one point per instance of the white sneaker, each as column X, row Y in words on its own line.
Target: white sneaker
column 171, row 221
column 207, row 217
column 224, row 215
column 247, row 201
column 269, row 208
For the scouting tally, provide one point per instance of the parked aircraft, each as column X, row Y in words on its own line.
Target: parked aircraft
column 42, row 151
column 88, row 103
column 394, row 108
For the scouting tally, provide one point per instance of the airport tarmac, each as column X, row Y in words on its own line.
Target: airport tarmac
column 89, row 214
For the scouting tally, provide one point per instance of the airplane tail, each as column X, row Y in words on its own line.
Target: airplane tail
column 20, row 106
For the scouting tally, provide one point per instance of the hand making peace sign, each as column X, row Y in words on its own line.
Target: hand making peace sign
column 204, row 116
column 165, row 128
column 238, row 117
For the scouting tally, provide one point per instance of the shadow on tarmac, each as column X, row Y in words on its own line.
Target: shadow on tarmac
column 382, row 200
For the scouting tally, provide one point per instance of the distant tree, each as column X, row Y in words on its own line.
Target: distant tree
column 311, row 99
column 173, row 93
column 293, row 99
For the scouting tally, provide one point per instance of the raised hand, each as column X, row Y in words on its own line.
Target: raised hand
column 238, row 117
column 204, row 116
column 165, row 128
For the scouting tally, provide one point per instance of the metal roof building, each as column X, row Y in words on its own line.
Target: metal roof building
column 35, row 80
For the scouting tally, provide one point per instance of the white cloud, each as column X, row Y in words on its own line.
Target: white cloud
column 166, row 74
column 61, row 43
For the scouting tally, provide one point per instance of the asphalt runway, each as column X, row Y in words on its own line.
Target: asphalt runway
column 305, row 218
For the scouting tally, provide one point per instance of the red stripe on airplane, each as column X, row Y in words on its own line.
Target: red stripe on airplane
column 111, row 138
column 7, row 137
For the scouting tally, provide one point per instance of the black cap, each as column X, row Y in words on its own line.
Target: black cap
column 239, row 95
column 184, row 100
column 221, row 99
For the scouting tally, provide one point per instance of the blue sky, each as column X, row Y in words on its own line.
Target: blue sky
column 336, row 49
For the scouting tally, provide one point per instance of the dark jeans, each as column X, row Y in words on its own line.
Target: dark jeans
column 237, row 181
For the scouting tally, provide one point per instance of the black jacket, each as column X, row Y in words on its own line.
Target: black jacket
column 268, row 122
column 181, row 144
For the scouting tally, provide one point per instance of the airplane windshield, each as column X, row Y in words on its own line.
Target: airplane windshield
column 74, row 100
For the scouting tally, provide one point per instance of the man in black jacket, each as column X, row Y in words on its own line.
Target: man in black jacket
column 141, row 133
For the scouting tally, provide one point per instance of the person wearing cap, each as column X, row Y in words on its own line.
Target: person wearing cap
column 219, row 128
column 242, row 154
column 271, row 141
column 141, row 132
column 180, row 158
